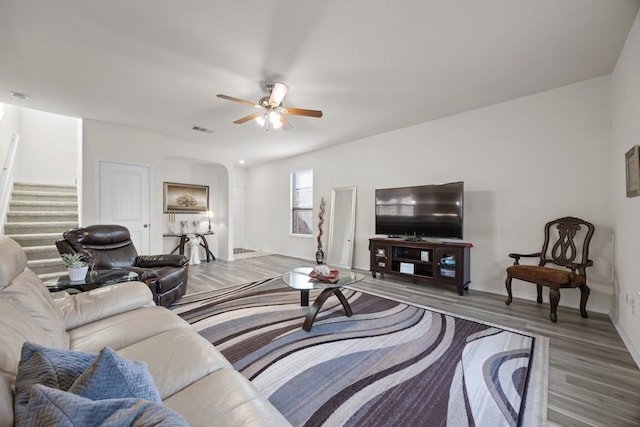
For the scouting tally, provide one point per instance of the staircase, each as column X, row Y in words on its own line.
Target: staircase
column 38, row 215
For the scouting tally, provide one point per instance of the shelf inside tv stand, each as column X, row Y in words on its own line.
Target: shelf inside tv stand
column 423, row 261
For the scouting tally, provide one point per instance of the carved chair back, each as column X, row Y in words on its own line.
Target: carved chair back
column 567, row 242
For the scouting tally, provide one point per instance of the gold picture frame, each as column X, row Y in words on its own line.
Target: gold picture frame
column 185, row 198
column 632, row 171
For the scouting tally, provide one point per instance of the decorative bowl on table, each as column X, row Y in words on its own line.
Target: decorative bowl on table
column 322, row 273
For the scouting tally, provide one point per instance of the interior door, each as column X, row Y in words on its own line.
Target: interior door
column 124, row 200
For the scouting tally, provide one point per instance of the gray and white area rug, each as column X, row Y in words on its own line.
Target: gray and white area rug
column 390, row 364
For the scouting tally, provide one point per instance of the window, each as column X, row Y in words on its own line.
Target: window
column 301, row 202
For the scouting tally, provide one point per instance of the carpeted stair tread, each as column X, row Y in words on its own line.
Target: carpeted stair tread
column 38, row 215
column 41, row 252
column 22, row 205
column 24, row 186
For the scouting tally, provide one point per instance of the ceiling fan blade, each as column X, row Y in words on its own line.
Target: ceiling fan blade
column 241, row 101
column 301, row 112
column 278, row 93
column 247, row 118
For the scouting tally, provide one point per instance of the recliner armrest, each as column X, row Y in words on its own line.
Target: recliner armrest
column 151, row 261
column 87, row 307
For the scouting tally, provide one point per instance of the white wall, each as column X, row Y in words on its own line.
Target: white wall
column 48, row 148
column 626, row 134
column 524, row 162
column 169, row 160
column 9, row 125
column 185, row 171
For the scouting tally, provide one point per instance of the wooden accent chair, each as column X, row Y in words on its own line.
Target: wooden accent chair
column 566, row 239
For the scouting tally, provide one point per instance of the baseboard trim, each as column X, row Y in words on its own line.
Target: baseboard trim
column 635, row 354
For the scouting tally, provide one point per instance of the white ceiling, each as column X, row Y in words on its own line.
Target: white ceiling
column 370, row 65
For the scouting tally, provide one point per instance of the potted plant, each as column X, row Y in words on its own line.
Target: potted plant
column 76, row 266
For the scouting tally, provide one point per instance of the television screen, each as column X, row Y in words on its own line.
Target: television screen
column 431, row 211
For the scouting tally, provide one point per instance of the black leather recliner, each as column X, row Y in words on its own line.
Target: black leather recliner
column 107, row 247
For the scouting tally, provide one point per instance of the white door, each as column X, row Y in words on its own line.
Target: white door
column 124, row 200
column 238, row 217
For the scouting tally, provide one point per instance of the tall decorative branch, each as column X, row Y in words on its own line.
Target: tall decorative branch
column 321, row 218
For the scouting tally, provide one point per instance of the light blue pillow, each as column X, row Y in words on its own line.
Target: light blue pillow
column 110, row 376
column 48, row 406
column 52, row 367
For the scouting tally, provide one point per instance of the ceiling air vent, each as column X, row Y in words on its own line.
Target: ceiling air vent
column 201, row 129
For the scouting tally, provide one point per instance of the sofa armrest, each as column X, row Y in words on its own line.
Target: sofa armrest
column 87, row 307
column 152, row 261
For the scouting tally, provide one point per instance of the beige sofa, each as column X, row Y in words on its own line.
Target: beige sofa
column 193, row 378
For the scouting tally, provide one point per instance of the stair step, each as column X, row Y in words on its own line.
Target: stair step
column 41, row 252
column 46, row 266
column 39, row 227
column 35, row 216
column 43, row 195
column 43, row 206
column 57, row 188
column 38, row 239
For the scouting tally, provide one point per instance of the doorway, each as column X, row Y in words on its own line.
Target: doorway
column 124, row 200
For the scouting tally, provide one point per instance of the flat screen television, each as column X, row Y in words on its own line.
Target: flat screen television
column 425, row 211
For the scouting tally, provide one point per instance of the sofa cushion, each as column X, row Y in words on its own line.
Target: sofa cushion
column 225, row 398
column 29, row 293
column 124, row 329
column 14, row 261
column 48, row 406
column 107, row 301
column 17, row 327
column 171, row 367
column 51, row 367
column 110, row 376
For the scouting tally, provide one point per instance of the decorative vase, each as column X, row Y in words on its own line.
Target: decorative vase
column 320, row 256
column 77, row 274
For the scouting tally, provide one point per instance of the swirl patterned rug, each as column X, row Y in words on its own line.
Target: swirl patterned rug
column 390, row 364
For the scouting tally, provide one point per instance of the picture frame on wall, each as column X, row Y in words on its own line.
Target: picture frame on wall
column 632, row 171
column 185, row 198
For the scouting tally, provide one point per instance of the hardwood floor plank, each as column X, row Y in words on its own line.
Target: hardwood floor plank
column 593, row 380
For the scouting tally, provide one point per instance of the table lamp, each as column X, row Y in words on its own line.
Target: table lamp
column 209, row 216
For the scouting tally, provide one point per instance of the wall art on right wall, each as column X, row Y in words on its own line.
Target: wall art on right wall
column 632, row 171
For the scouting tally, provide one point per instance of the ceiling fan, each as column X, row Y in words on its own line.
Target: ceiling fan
column 272, row 112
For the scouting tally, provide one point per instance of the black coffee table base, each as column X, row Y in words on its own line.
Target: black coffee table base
column 319, row 302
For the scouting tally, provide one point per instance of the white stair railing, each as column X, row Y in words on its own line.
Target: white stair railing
column 6, row 180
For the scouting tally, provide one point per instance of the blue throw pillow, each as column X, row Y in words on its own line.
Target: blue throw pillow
column 110, row 376
column 48, row 406
column 52, row 367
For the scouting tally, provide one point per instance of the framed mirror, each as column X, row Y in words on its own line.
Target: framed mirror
column 342, row 223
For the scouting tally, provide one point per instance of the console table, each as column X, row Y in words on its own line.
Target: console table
column 430, row 262
column 184, row 238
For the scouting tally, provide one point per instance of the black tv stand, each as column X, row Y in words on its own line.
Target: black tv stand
column 413, row 239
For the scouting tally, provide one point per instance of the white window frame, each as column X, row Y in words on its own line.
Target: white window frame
column 293, row 209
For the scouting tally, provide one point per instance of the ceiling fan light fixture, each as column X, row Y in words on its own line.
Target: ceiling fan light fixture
column 270, row 119
column 277, row 94
column 275, row 119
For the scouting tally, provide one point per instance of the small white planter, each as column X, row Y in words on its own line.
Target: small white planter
column 78, row 274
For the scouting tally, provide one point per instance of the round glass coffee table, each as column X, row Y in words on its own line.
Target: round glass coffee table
column 299, row 279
